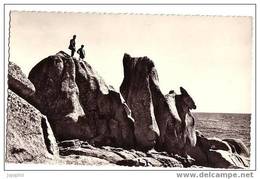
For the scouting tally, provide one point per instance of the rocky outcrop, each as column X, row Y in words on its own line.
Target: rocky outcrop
column 216, row 153
column 177, row 127
column 176, row 124
column 19, row 83
column 29, row 137
column 79, row 104
column 57, row 95
column 94, row 125
column 156, row 117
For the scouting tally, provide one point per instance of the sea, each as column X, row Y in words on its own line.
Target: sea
column 224, row 125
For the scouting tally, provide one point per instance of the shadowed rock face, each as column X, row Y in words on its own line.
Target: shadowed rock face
column 104, row 107
column 79, row 104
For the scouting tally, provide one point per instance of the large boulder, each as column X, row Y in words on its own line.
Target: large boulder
column 79, row 103
column 225, row 159
column 29, row 137
column 152, row 110
column 217, row 153
column 57, row 94
column 19, row 83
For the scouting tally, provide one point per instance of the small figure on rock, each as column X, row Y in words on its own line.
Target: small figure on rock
column 81, row 52
column 72, row 45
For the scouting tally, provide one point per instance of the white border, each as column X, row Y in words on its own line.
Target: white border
column 219, row 10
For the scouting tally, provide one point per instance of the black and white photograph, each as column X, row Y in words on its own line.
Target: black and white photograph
column 129, row 91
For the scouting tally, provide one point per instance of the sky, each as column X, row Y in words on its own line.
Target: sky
column 210, row 56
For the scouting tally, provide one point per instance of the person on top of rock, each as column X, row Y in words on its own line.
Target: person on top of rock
column 81, row 52
column 72, row 45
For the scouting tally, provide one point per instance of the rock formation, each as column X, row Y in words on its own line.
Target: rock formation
column 216, row 153
column 135, row 89
column 79, row 104
column 152, row 110
column 95, row 125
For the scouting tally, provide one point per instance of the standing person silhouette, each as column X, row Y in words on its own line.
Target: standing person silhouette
column 81, row 52
column 72, row 45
